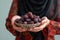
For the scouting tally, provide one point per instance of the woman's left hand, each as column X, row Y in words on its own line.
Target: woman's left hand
column 45, row 21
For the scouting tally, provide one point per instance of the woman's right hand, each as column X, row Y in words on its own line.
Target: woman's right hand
column 19, row 29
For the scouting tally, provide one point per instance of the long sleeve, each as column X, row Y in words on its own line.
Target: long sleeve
column 54, row 27
column 13, row 11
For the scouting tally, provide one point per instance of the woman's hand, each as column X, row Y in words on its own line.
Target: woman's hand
column 45, row 21
column 19, row 29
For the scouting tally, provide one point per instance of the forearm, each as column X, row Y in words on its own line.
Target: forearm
column 54, row 27
column 13, row 12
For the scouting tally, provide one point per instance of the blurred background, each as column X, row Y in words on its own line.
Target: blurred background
column 4, row 10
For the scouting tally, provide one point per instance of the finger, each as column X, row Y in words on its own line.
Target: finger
column 30, row 29
column 20, row 29
column 38, row 29
column 44, row 20
column 44, row 25
column 35, row 29
column 14, row 18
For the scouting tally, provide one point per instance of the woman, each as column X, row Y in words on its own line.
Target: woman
column 46, row 9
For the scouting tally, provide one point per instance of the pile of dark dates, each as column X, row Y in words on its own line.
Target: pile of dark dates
column 28, row 20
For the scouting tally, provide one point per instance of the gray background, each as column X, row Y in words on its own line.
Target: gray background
column 4, row 10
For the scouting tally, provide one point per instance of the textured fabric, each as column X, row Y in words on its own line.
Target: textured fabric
column 52, row 29
column 37, row 7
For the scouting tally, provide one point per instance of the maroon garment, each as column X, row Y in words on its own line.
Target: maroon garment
column 52, row 29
